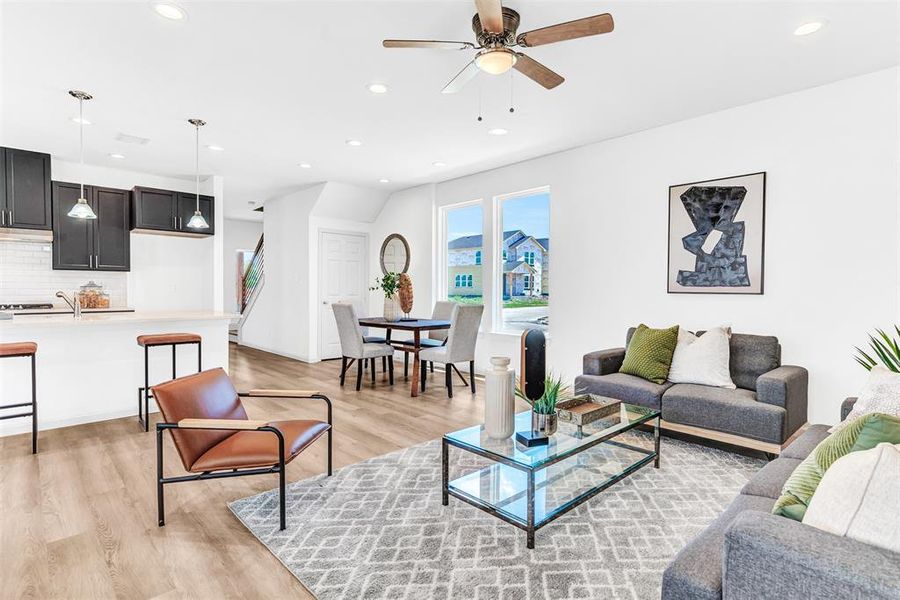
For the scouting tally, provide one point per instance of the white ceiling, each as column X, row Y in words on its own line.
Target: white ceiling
column 285, row 82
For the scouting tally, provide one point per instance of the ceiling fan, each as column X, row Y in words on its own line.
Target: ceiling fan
column 495, row 33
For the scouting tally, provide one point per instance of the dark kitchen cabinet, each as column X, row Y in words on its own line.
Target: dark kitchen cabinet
column 101, row 244
column 187, row 204
column 25, row 189
column 168, row 211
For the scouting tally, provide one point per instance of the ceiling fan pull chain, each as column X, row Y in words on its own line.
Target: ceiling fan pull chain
column 480, row 88
column 511, row 103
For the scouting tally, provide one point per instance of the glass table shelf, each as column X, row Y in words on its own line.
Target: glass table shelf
column 529, row 487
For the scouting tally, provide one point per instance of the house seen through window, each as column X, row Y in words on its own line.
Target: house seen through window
column 464, row 252
column 525, row 266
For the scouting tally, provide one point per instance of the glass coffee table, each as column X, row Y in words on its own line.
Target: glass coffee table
column 530, row 487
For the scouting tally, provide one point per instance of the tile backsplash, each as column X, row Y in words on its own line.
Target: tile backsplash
column 27, row 275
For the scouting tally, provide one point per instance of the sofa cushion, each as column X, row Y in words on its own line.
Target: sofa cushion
column 808, row 440
column 696, row 571
column 769, row 480
column 730, row 411
column 620, row 386
column 751, row 356
column 649, row 353
column 702, row 359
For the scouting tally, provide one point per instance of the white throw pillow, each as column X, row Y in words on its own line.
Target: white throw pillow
column 702, row 359
column 859, row 497
column 881, row 393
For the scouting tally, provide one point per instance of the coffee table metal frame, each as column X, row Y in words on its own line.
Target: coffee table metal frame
column 529, row 525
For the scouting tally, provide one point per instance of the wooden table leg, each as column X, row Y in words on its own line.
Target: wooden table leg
column 414, row 389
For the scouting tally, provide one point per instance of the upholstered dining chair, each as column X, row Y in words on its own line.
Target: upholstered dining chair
column 354, row 348
column 215, row 438
column 460, row 346
column 442, row 311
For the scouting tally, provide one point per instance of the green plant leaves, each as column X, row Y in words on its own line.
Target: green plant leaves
column 884, row 347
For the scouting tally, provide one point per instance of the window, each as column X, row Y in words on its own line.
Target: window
column 462, row 226
column 523, row 285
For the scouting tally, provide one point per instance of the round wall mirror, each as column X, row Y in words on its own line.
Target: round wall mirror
column 394, row 254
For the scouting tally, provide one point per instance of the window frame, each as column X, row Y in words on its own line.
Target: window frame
column 496, row 296
column 441, row 283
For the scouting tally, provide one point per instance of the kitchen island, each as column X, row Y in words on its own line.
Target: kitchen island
column 89, row 369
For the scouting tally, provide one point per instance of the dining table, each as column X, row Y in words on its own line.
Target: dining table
column 416, row 326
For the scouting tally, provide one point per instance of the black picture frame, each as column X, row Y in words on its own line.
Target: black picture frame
column 760, row 223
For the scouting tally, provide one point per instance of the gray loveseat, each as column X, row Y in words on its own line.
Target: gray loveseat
column 750, row 553
column 768, row 406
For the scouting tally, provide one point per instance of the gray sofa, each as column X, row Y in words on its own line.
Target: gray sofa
column 750, row 553
column 767, row 407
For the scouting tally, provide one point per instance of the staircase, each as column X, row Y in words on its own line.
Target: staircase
column 251, row 283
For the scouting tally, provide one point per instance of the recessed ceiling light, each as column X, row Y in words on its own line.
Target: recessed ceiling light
column 116, row 155
column 498, row 131
column 80, row 121
column 215, row 148
column 809, row 28
column 353, row 143
column 438, row 163
column 305, row 166
column 377, row 88
column 169, row 10
column 384, row 180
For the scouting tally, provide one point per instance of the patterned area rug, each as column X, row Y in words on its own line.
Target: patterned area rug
column 377, row 529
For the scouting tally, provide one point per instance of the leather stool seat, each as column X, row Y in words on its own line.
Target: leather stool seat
column 162, row 339
column 18, row 349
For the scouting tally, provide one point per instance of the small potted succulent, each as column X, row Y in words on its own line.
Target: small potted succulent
column 389, row 284
column 544, row 415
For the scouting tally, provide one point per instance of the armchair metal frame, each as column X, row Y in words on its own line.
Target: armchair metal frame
column 235, row 425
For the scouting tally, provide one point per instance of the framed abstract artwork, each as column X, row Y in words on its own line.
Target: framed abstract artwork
column 717, row 236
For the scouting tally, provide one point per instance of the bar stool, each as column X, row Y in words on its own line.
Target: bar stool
column 24, row 349
column 162, row 339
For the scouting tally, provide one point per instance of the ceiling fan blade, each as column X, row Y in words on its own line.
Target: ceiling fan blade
column 461, row 79
column 434, row 44
column 567, row 31
column 490, row 13
column 536, row 71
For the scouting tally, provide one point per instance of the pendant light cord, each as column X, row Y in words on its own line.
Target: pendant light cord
column 197, row 163
column 81, row 144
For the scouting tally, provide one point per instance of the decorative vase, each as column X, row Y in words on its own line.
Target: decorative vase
column 391, row 309
column 500, row 399
column 542, row 424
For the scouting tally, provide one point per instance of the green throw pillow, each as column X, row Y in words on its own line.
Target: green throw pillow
column 649, row 353
column 862, row 433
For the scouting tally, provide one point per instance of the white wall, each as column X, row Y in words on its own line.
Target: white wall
column 832, row 262
column 279, row 321
column 167, row 272
column 238, row 235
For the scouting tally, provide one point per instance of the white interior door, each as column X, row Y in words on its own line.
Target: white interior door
column 342, row 278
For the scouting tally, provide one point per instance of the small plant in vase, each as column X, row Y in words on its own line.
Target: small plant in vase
column 544, row 416
column 389, row 285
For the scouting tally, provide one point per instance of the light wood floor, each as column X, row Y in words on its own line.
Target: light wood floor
column 79, row 519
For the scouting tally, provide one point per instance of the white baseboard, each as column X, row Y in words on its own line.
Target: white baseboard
column 305, row 359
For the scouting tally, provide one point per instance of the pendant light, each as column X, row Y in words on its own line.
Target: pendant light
column 197, row 221
column 81, row 210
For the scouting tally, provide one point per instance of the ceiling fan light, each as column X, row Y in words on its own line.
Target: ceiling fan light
column 82, row 210
column 496, row 62
column 197, row 221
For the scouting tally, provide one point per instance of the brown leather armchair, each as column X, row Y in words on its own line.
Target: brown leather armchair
column 215, row 438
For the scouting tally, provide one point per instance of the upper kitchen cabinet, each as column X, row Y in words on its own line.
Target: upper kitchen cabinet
column 187, row 204
column 166, row 211
column 101, row 244
column 24, row 189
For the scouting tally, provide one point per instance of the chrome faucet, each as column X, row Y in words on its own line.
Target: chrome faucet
column 75, row 306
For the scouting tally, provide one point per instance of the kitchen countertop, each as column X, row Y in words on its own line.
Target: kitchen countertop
column 65, row 310
column 112, row 318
